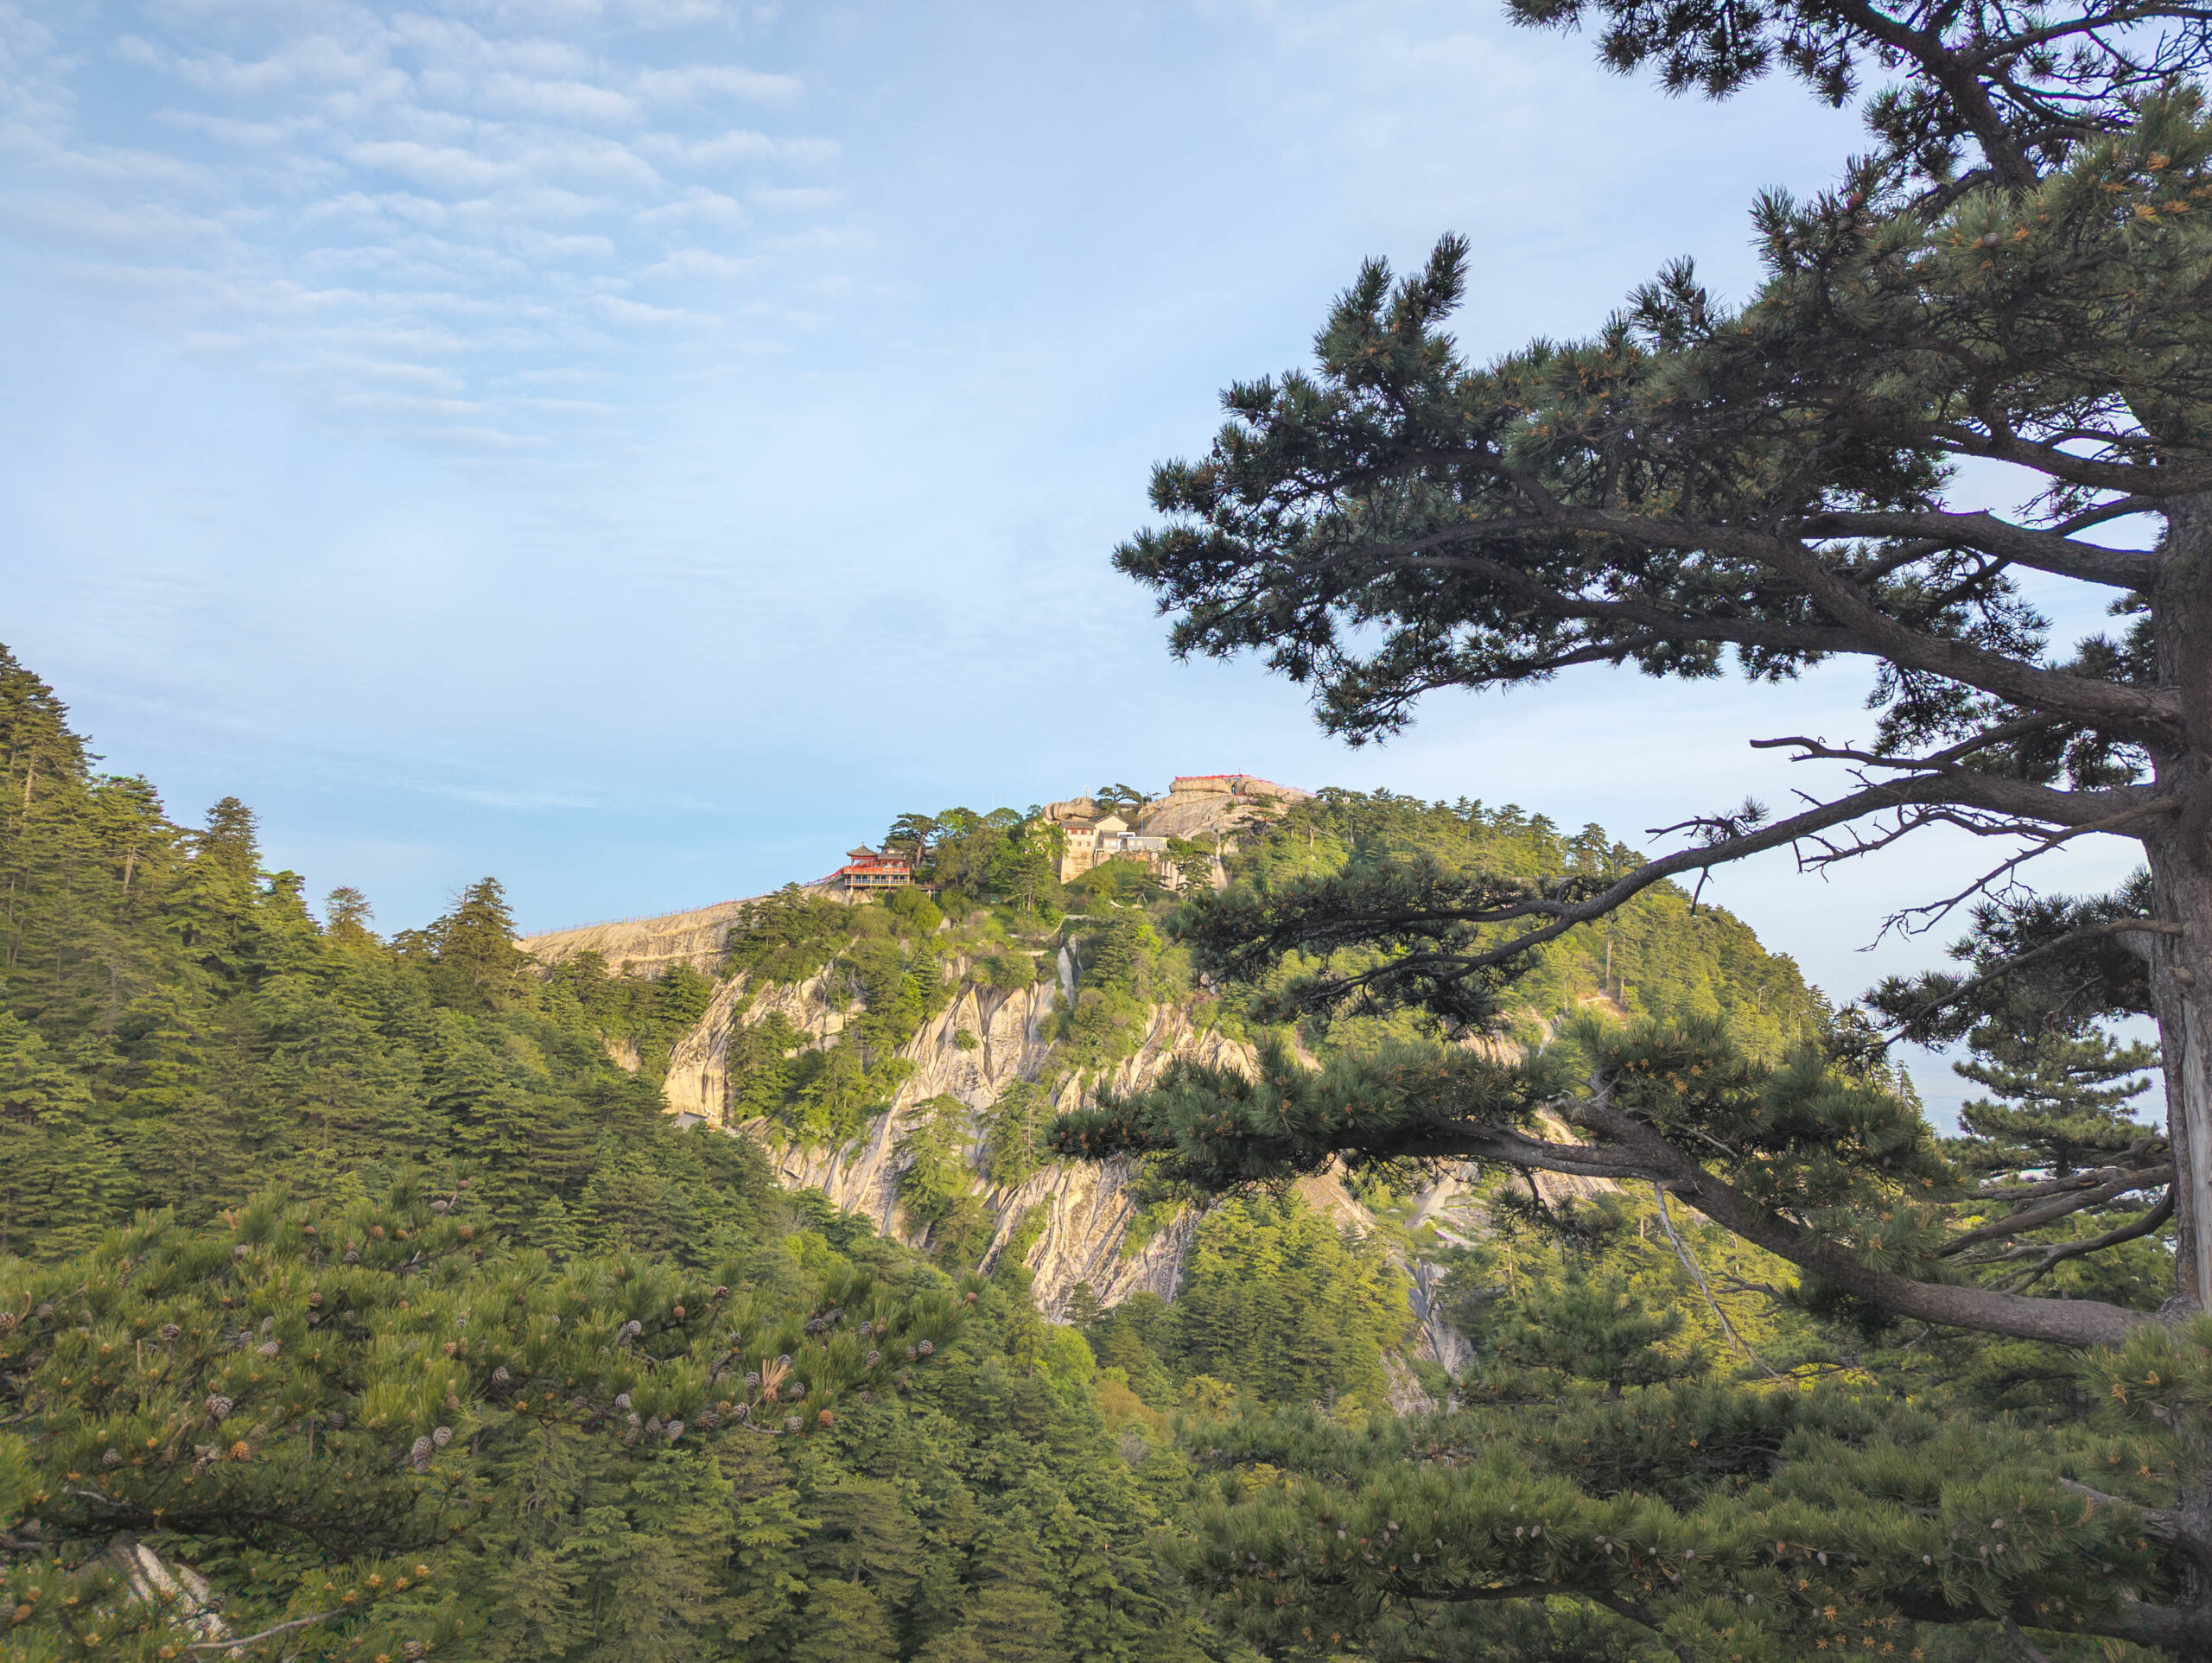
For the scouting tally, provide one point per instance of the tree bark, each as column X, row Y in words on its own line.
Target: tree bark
column 2179, row 851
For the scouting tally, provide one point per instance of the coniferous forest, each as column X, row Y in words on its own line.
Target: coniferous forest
column 358, row 1304
column 1555, row 1276
column 1535, row 1268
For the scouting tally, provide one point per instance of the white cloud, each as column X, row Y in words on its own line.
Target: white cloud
column 482, row 438
column 773, row 196
column 408, row 404
column 696, row 81
column 618, row 310
column 560, row 101
column 259, row 135
column 136, row 229
column 697, row 206
column 739, row 144
column 423, row 378
column 360, row 200
column 432, row 165
column 536, row 245
column 699, row 262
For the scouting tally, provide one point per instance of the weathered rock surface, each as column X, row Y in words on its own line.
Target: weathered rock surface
column 649, row 944
column 1088, row 1207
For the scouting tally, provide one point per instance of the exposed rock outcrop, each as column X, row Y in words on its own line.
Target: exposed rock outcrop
column 650, row 945
column 1087, row 1208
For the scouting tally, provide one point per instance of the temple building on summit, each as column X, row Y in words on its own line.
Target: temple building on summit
column 867, row 869
column 1209, row 810
column 1107, row 838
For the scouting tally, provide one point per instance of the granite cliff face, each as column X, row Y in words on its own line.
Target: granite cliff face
column 1089, row 1209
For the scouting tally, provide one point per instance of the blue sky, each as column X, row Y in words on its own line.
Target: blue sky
column 638, row 448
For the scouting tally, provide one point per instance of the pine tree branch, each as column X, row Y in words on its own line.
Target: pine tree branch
column 2072, row 938
column 2058, row 1254
column 250, row 1639
column 2044, row 551
column 1697, row 1274
column 2123, row 1182
column 2062, row 1321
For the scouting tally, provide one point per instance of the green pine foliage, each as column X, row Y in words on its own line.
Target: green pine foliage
column 1659, row 956
column 359, row 1276
column 1275, row 1303
column 2058, row 1100
column 936, row 1185
column 383, row 1430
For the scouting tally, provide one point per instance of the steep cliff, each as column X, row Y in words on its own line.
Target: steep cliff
column 650, row 945
column 1087, row 1208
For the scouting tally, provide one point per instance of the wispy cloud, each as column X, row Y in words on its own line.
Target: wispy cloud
column 400, row 208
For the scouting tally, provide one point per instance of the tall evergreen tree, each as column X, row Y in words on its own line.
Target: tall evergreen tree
column 479, row 966
column 2057, row 1101
column 2019, row 271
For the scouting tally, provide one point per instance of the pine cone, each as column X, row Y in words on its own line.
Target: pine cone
column 169, row 1332
column 792, row 1422
column 240, row 1251
column 441, row 1435
column 112, row 1459
column 43, row 1312
column 219, row 1406
column 499, row 1375
column 741, row 1412
column 873, row 1358
column 7, row 1321
column 353, row 1255
column 926, row 1347
column 414, row 1649
column 622, row 1401
column 337, row 1421
column 911, row 1354
column 653, row 1426
column 673, row 1431
column 268, row 1326
column 798, row 1390
column 632, row 1416
column 708, row 1419
column 269, row 1348
column 827, row 1418
column 241, row 1450
column 441, row 1205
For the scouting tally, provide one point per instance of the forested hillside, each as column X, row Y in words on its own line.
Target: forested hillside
column 362, row 1299
column 433, row 1335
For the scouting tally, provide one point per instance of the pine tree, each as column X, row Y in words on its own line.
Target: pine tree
column 2018, row 269
column 478, row 967
column 2059, row 1100
column 61, row 1181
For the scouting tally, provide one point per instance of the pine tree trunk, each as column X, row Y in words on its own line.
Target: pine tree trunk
column 2181, row 982
column 2180, row 852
